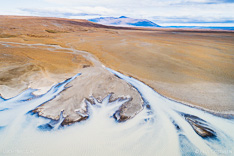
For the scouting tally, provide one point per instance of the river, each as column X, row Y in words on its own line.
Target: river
column 163, row 127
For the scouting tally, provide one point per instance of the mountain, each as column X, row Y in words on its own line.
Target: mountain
column 124, row 21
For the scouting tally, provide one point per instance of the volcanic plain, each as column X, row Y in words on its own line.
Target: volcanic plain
column 195, row 67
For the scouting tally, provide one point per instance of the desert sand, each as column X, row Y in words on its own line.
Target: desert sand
column 191, row 66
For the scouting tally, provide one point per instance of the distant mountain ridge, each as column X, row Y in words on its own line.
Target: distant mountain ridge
column 124, row 21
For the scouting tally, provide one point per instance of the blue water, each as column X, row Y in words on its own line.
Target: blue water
column 201, row 27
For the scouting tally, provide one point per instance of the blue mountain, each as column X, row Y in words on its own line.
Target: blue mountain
column 124, row 21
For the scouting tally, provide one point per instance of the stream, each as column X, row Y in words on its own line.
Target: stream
column 163, row 127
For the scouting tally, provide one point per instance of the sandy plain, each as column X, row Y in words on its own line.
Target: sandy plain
column 191, row 66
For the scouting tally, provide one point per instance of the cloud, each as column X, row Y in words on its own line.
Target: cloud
column 134, row 3
column 195, row 19
column 159, row 11
column 68, row 12
column 199, row 2
column 224, row 1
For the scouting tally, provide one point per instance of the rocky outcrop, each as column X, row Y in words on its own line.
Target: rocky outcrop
column 199, row 126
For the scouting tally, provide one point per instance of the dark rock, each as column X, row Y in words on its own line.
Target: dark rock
column 45, row 127
column 120, row 117
column 200, row 126
column 86, row 66
column 66, row 121
column 148, row 106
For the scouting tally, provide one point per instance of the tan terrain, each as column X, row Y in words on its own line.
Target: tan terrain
column 195, row 67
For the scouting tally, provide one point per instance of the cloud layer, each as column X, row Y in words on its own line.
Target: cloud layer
column 159, row 11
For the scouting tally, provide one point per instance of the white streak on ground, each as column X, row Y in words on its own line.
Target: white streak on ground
column 151, row 132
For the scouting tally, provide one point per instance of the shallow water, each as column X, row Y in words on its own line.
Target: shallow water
column 161, row 128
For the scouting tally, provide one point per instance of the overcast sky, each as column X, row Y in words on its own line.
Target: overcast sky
column 162, row 12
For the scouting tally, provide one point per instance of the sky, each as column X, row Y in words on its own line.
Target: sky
column 162, row 12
